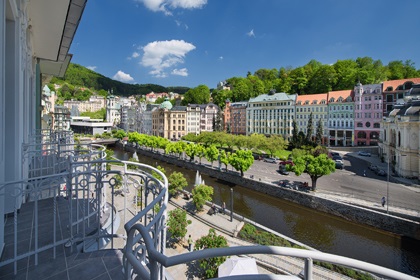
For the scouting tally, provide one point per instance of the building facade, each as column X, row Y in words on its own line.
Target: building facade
column 208, row 114
column 271, row 114
column 340, row 118
column 368, row 110
column 237, row 118
column 394, row 92
column 315, row 104
column 400, row 137
column 193, row 119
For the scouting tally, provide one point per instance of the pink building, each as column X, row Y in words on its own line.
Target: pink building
column 368, row 112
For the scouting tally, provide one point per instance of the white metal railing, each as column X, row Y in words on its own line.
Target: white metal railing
column 158, row 259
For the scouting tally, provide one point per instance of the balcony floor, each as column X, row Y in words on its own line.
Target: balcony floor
column 103, row 264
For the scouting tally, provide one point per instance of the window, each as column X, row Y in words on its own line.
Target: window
column 376, row 125
column 367, row 124
column 389, row 98
column 359, row 124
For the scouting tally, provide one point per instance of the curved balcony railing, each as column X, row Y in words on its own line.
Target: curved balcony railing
column 138, row 248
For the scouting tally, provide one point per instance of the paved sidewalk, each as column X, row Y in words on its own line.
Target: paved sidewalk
column 202, row 222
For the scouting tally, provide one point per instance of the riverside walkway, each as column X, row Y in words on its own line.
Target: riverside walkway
column 201, row 222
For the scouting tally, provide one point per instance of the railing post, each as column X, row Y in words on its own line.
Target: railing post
column 308, row 269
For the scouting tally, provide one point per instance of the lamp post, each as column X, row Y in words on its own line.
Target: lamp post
column 387, row 188
column 231, row 204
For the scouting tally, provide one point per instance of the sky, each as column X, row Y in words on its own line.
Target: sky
column 194, row 42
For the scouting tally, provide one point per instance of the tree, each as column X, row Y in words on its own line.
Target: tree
column 200, row 151
column 177, row 182
column 198, row 95
column 241, row 160
column 157, row 175
column 212, row 153
column 190, row 150
column 309, row 129
column 224, row 158
column 323, row 80
column 177, row 223
column 120, row 134
column 201, row 194
column 212, row 240
column 319, row 132
column 315, row 167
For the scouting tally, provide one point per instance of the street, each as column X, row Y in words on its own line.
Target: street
column 348, row 182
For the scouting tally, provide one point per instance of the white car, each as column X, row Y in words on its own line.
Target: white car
column 364, row 154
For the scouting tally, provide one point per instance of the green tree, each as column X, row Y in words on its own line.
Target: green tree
column 177, row 223
column 212, row 240
column 224, row 158
column 200, row 151
column 241, row 160
column 120, row 134
column 211, row 153
column 323, row 80
column 198, row 95
column 315, row 167
column 177, row 182
column 346, row 74
column 190, row 150
column 319, row 132
column 309, row 129
column 201, row 194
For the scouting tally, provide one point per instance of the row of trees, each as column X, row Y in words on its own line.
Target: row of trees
column 314, row 77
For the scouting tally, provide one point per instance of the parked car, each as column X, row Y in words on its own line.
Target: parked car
column 283, row 170
column 339, row 165
column 270, row 160
column 373, row 167
column 381, row 172
column 286, row 162
column 364, row 154
column 333, row 154
column 338, row 159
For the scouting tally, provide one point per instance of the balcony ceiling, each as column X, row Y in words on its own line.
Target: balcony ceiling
column 53, row 25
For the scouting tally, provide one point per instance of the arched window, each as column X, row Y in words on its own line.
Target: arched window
column 361, row 134
column 376, row 125
column 359, row 124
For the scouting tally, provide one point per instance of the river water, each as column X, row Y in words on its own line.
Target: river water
column 321, row 231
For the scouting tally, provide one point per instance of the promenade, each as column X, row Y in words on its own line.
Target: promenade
column 201, row 222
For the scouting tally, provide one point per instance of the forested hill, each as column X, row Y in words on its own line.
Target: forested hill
column 80, row 76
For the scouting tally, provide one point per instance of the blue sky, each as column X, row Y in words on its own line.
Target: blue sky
column 193, row 42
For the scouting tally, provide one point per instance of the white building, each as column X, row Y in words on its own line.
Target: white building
column 35, row 37
column 400, row 136
column 193, row 119
column 271, row 114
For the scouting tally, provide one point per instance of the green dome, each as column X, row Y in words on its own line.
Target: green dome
column 166, row 104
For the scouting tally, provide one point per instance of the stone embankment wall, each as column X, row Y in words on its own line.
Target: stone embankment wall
column 348, row 212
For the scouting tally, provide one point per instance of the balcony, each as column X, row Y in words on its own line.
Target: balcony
column 73, row 220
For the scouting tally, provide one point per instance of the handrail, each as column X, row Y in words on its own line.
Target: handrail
column 157, row 257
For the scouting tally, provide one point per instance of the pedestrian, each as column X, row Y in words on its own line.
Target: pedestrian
column 383, row 201
column 190, row 242
column 223, row 207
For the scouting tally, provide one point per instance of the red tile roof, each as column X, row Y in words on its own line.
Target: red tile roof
column 396, row 83
column 311, row 98
column 340, row 93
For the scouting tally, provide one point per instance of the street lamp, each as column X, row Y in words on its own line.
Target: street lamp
column 387, row 189
column 231, row 204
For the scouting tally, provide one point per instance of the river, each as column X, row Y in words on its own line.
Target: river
column 324, row 232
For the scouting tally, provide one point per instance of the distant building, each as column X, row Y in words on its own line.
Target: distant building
column 400, row 136
column 317, row 105
column 113, row 107
column 193, row 118
column 237, row 117
column 86, row 125
column 340, row 118
column 95, row 103
column 367, row 114
column 208, row 114
column 394, row 92
column 271, row 114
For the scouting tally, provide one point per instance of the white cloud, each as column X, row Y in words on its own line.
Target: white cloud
column 93, row 68
column 251, row 33
column 123, row 77
column 135, row 54
column 160, row 55
column 220, row 57
column 180, row 72
column 165, row 5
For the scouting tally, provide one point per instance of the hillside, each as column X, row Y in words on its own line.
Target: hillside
column 78, row 76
